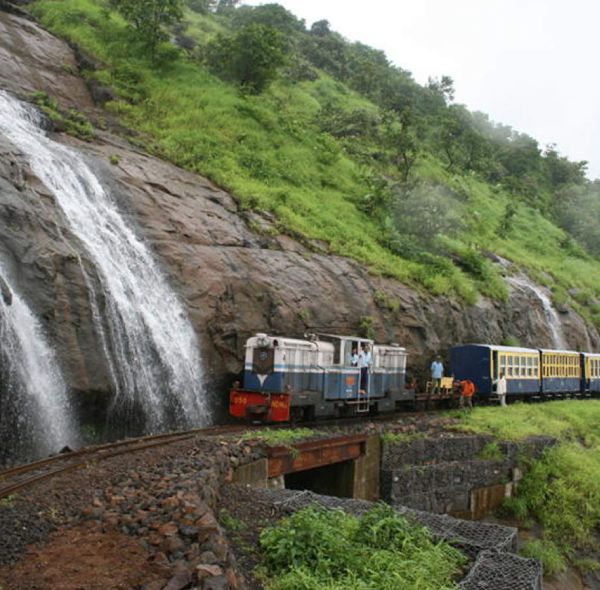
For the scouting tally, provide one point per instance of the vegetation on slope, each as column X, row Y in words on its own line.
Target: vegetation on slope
column 562, row 490
column 342, row 146
column 319, row 549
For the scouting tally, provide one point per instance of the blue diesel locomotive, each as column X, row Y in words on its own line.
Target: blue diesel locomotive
column 285, row 378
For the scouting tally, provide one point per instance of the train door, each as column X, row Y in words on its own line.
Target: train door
column 584, row 385
column 492, row 372
column 495, row 368
column 366, row 377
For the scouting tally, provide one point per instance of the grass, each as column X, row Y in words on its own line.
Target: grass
column 72, row 121
column 232, row 524
column 270, row 153
column 561, row 490
column 491, row 452
column 564, row 420
column 548, row 553
column 280, row 436
column 8, row 501
column 319, row 549
column 394, row 438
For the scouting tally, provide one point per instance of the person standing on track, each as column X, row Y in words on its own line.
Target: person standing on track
column 501, row 388
column 467, row 390
column 437, row 372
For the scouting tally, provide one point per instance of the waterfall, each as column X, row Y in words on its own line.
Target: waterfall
column 145, row 331
column 36, row 418
column 556, row 331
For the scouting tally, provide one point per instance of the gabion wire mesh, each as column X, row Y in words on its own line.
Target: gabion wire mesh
column 470, row 536
column 496, row 570
column 489, row 545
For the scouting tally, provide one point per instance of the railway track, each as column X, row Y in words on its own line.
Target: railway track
column 17, row 478
column 14, row 479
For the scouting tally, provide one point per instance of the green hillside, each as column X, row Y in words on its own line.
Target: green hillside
column 342, row 147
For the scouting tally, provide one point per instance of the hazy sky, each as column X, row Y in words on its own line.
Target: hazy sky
column 531, row 64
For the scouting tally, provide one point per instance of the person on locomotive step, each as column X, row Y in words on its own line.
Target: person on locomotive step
column 354, row 357
column 467, row 390
column 501, row 388
column 437, row 372
column 364, row 362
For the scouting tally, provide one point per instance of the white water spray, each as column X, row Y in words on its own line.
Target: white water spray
column 151, row 341
column 36, row 417
column 556, row 331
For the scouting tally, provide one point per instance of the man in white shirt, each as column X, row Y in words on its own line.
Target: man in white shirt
column 437, row 372
column 364, row 362
column 501, row 388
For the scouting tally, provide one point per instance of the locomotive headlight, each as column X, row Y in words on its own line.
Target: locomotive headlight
column 262, row 340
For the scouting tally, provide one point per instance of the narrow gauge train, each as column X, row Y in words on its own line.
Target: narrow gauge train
column 529, row 371
column 288, row 379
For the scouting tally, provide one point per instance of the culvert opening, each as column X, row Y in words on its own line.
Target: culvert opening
column 332, row 480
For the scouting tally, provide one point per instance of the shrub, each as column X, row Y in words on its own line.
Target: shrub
column 548, row 553
column 319, row 549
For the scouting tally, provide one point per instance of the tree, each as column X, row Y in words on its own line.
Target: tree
column 423, row 212
column 251, row 57
column 453, row 125
column 443, row 88
column 271, row 15
column 560, row 170
column 202, row 6
column 147, row 17
column 401, row 137
column 320, row 28
column 226, row 6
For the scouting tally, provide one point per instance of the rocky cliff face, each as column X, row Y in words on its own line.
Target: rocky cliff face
column 234, row 279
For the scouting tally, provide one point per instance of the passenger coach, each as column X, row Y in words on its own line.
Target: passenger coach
column 482, row 364
column 591, row 372
column 561, row 371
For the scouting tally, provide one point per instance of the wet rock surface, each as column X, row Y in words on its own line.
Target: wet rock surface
column 235, row 280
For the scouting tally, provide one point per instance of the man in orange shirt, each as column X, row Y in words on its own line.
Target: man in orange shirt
column 467, row 390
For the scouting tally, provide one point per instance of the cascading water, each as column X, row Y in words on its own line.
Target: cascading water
column 36, row 418
column 556, row 331
column 145, row 329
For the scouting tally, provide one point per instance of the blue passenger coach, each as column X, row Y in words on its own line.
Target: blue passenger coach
column 591, row 371
column 561, row 371
column 482, row 364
